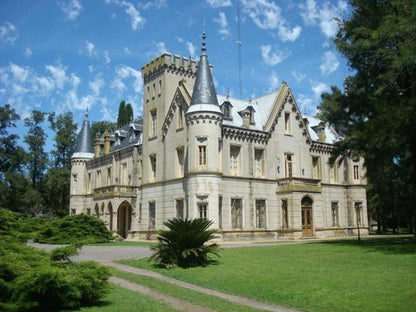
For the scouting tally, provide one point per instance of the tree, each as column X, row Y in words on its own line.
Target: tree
column 183, row 244
column 377, row 111
column 37, row 159
column 12, row 156
column 99, row 127
column 125, row 114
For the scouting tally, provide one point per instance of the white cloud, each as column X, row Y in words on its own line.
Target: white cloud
column 298, row 76
column 160, row 48
column 219, row 3
column 224, row 30
column 269, row 57
column 127, row 50
column 28, row 52
column 273, row 81
column 19, row 73
column 157, row 4
column 267, row 15
column 179, row 39
column 8, row 33
column 306, row 104
column 90, row 48
column 191, row 49
column 107, row 59
column 71, row 8
column 136, row 20
column 124, row 72
column 330, row 63
column 58, row 74
column 324, row 15
column 318, row 88
column 97, row 84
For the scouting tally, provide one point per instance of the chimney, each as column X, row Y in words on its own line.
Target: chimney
column 321, row 132
column 106, row 143
column 97, row 147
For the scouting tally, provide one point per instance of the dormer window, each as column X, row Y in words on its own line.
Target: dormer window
column 226, row 110
column 248, row 116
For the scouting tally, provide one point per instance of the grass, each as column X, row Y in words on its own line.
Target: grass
column 374, row 275
column 123, row 300
column 195, row 297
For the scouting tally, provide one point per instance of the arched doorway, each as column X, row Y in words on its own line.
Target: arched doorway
column 307, row 217
column 110, row 216
column 124, row 219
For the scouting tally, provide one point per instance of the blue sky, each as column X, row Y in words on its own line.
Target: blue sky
column 66, row 55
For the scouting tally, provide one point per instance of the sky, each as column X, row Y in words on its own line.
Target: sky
column 69, row 55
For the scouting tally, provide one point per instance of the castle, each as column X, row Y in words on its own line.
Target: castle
column 258, row 169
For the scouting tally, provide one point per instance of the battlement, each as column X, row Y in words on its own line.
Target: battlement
column 166, row 61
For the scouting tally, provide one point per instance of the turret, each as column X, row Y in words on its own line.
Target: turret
column 204, row 120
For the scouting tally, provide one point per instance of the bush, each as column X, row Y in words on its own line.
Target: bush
column 75, row 229
column 184, row 244
column 30, row 280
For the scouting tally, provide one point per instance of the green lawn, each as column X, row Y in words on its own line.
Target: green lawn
column 124, row 300
column 376, row 275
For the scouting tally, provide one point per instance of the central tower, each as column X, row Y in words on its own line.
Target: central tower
column 204, row 121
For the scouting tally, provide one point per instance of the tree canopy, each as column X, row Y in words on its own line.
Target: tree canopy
column 376, row 112
column 125, row 114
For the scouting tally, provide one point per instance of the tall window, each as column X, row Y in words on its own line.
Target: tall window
column 153, row 123
column 203, row 211
column 123, row 174
column 316, row 167
column 152, row 166
column 220, row 212
column 89, row 183
column 180, row 158
column 289, row 164
column 285, row 215
column 152, row 215
column 202, row 156
column 180, row 117
column 259, row 162
column 358, row 207
column 335, row 214
column 109, row 176
column 179, row 209
column 333, row 172
column 236, row 213
column 234, row 160
column 98, row 181
column 356, row 169
column 287, row 123
column 260, row 214
column 74, row 183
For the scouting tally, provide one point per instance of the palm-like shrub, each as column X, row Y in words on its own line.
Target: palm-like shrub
column 184, row 244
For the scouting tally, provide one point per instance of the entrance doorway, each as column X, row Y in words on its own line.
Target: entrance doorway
column 124, row 219
column 307, row 217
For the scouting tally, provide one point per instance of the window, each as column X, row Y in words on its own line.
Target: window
column 220, row 212
column 98, row 181
column 152, row 215
column 179, row 209
column 333, row 172
column 236, row 213
column 108, row 175
column 73, row 211
column 89, row 183
column 289, row 164
column 285, row 215
column 202, row 156
column 152, row 167
column 287, row 123
column 335, row 214
column 316, row 167
column 74, row 183
column 202, row 210
column 160, row 87
column 153, row 124
column 234, row 160
column 259, row 162
column 356, row 173
column 260, row 214
column 226, row 111
column 358, row 211
column 180, row 117
column 180, row 158
column 123, row 174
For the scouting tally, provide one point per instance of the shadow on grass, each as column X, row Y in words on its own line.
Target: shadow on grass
column 394, row 245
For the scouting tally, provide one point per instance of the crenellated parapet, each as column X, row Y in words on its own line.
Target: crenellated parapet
column 166, row 63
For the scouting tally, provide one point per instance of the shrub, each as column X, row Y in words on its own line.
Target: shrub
column 183, row 244
column 30, row 280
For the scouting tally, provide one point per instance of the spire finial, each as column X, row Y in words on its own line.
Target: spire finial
column 204, row 49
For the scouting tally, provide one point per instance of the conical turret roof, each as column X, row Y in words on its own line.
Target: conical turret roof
column 204, row 96
column 84, row 147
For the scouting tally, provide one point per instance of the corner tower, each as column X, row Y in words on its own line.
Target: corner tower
column 204, row 122
column 80, row 181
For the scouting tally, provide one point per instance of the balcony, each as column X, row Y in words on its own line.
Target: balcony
column 294, row 184
column 110, row 191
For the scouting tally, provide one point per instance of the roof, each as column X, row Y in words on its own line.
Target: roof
column 84, row 147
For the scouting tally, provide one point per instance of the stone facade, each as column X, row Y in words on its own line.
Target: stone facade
column 258, row 169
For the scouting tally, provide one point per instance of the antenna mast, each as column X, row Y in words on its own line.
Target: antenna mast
column 239, row 43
